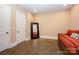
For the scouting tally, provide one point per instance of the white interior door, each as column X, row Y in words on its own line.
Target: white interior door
column 4, row 27
column 20, row 26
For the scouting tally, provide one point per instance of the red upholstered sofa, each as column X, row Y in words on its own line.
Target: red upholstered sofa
column 68, row 44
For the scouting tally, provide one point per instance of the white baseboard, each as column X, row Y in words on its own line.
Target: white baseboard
column 48, row 37
column 13, row 44
column 27, row 39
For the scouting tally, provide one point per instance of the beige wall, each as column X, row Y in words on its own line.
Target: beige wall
column 74, row 17
column 28, row 22
column 52, row 23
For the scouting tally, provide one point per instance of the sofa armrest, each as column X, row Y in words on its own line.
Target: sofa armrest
column 61, row 34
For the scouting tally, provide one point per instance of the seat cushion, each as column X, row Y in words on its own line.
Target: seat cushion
column 66, row 42
column 70, row 47
column 74, row 41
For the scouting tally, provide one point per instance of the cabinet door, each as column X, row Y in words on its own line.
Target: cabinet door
column 20, row 26
column 4, row 27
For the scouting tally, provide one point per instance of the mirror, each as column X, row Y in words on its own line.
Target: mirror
column 34, row 30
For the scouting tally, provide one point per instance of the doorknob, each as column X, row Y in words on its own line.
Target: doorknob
column 18, row 31
column 7, row 32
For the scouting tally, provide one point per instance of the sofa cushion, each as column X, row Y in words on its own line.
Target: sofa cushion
column 66, row 42
column 72, row 40
column 75, row 42
column 71, row 48
column 70, row 31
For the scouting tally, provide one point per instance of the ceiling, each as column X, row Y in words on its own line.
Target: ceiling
column 45, row 8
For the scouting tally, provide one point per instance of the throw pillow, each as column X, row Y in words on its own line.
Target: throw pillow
column 75, row 35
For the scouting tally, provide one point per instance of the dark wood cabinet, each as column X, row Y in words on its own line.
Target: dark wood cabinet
column 34, row 30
